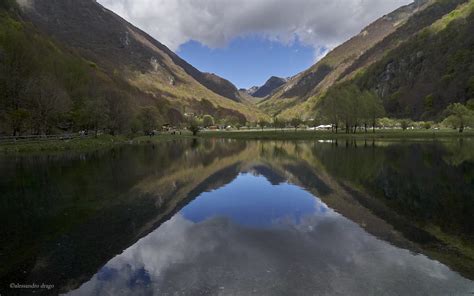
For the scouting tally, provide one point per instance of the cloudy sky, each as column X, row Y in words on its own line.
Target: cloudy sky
column 247, row 41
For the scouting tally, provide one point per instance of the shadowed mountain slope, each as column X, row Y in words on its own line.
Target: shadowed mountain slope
column 120, row 49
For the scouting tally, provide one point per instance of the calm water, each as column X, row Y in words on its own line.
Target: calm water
column 224, row 217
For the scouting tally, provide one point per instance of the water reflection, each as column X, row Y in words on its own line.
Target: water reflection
column 218, row 245
column 254, row 202
column 242, row 218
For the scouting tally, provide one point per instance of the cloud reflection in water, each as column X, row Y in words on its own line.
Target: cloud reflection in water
column 254, row 238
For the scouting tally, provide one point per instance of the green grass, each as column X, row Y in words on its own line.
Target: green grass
column 63, row 145
column 327, row 135
column 86, row 144
column 110, row 141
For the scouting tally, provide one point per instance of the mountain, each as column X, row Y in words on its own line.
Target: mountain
column 125, row 58
column 251, row 90
column 269, row 87
column 246, row 95
column 431, row 70
column 364, row 59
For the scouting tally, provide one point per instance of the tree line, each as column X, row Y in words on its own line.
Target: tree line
column 345, row 105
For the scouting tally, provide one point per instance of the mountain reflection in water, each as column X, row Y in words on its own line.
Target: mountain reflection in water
column 222, row 217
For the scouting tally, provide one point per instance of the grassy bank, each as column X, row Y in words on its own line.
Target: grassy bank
column 327, row 135
column 77, row 144
column 84, row 144
column 109, row 141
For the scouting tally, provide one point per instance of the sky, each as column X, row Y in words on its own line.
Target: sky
column 247, row 41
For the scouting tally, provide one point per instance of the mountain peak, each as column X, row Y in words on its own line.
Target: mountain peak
column 269, row 87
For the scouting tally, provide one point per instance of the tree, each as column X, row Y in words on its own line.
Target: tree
column 46, row 101
column 386, row 122
column 470, row 104
column 404, row 123
column 330, row 107
column 208, row 121
column 279, row 123
column 262, row 123
column 458, row 116
column 346, row 103
column 149, row 119
column 296, row 122
column 17, row 120
column 193, row 126
column 427, row 124
column 373, row 107
column 92, row 115
column 117, row 110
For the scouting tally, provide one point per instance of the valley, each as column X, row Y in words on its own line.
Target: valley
column 97, row 72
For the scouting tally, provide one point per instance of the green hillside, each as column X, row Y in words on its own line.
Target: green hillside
column 86, row 74
column 418, row 61
column 433, row 69
column 45, row 87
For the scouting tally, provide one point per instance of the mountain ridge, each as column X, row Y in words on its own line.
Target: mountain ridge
column 326, row 71
column 269, row 87
column 396, row 65
column 118, row 46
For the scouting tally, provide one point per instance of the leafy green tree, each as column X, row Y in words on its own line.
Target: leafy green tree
column 345, row 103
column 149, row 119
column 208, row 121
column 279, row 123
column 470, row 104
column 262, row 123
column 330, row 108
column 459, row 116
column 193, row 126
column 427, row 125
column 92, row 115
column 405, row 124
column 386, row 122
column 296, row 122
column 373, row 109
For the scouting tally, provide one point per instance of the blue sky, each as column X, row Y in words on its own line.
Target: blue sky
column 249, row 61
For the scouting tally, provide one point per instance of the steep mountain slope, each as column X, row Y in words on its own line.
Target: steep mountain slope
column 269, row 87
column 431, row 70
column 302, row 93
column 121, row 49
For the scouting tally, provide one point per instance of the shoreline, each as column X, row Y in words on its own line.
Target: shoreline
column 328, row 135
column 107, row 141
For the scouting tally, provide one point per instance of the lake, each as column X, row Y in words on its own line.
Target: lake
column 229, row 217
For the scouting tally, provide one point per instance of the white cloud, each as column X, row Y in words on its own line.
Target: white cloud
column 318, row 23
